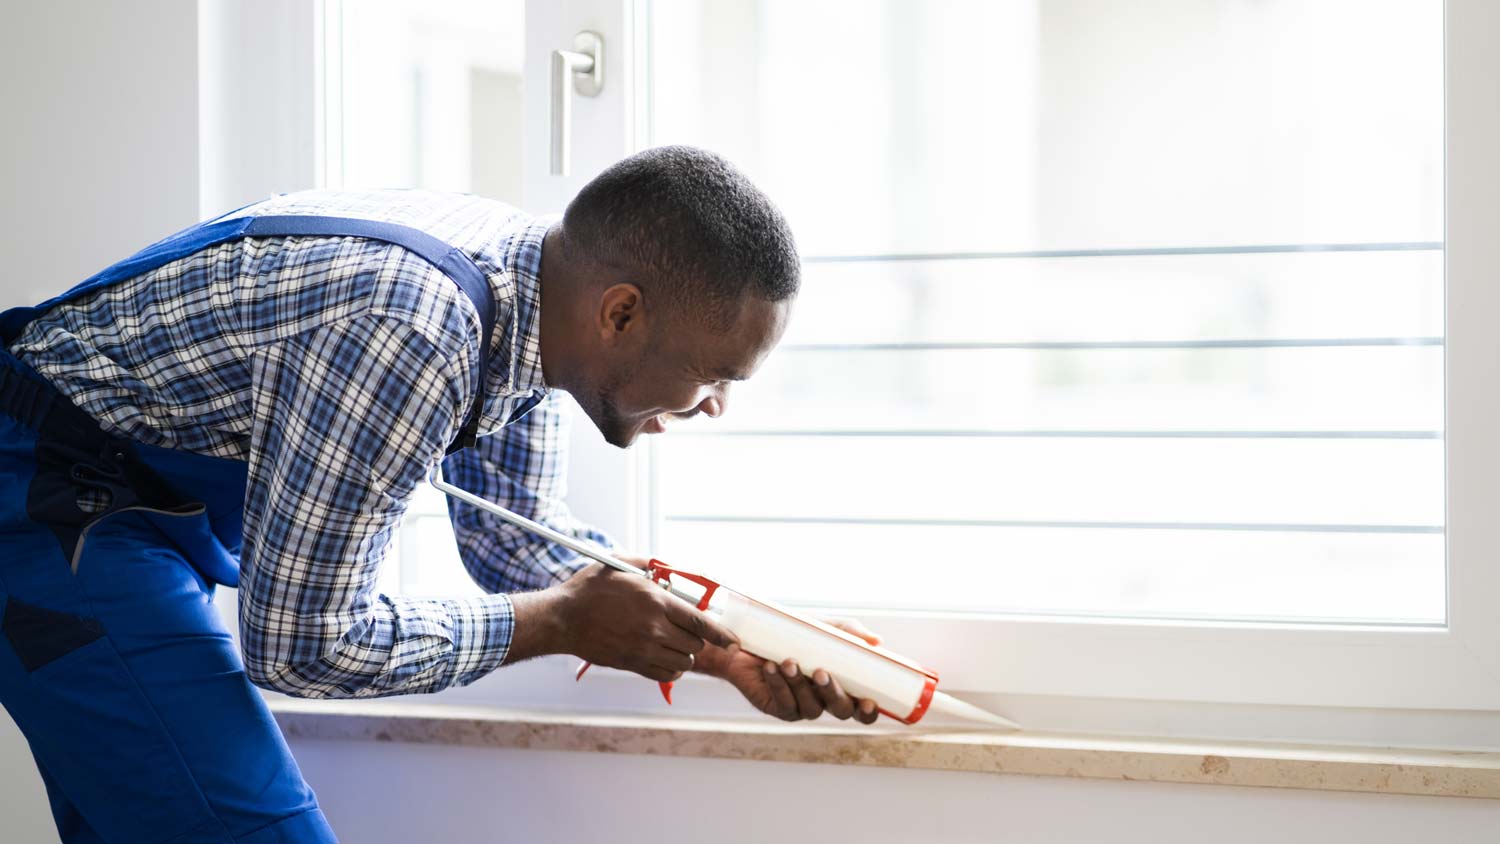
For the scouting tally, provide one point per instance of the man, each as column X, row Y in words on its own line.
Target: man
column 255, row 399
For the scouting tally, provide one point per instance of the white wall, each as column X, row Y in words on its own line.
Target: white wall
column 376, row 792
column 100, row 157
column 23, row 801
column 100, row 145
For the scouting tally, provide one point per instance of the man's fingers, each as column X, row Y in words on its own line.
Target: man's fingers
column 853, row 627
column 674, row 637
column 784, row 704
column 700, row 624
column 661, row 674
column 865, row 712
column 807, row 701
column 837, row 703
column 672, row 660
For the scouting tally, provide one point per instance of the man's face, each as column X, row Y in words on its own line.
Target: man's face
column 683, row 369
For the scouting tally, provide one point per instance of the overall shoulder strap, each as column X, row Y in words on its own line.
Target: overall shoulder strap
column 450, row 260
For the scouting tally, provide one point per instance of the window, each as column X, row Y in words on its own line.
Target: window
column 426, row 95
column 1109, row 312
column 1141, row 356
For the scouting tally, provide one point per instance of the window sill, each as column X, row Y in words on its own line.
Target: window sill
column 1321, row 768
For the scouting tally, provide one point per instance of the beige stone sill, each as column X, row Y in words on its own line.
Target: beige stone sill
column 1387, row 771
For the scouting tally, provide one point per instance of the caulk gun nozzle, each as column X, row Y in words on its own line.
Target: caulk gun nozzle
column 948, row 705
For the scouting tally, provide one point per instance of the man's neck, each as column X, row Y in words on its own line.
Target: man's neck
column 557, row 290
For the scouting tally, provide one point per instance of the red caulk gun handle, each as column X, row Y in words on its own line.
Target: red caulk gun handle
column 662, row 573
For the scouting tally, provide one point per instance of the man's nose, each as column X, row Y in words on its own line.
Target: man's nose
column 715, row 403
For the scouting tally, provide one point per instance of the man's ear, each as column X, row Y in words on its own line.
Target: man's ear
column 622, row 314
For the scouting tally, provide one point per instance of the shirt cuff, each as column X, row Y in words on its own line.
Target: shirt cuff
column 483, row 629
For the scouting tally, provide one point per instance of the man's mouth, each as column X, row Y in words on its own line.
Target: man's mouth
column 658, row 424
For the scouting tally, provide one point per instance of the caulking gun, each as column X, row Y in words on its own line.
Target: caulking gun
column 901, row 688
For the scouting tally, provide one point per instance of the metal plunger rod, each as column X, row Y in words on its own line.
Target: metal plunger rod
column 584, row 547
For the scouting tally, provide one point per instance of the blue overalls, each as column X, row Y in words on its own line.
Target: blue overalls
column 113, row 660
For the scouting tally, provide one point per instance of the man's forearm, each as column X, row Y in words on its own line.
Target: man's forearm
column 540, row 625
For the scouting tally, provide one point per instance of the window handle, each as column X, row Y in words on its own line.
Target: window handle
column 584, row 65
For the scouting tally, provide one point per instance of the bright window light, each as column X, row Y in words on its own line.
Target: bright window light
column 1107, row 310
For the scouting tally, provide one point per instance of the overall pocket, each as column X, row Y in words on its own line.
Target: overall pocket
column 92, row 727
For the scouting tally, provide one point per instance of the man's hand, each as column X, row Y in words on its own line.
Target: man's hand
column 618, row 621
column 782, row 690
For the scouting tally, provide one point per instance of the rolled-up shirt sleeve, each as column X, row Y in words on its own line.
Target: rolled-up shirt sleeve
column 349, row 418
column 523, row 468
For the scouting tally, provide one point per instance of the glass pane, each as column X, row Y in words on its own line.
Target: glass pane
column 1339, row 389
column 1105, row 310
column 1234, row 481
column 899, row 126
column 431, row 95
column 1290, row 295
column 1345, row 577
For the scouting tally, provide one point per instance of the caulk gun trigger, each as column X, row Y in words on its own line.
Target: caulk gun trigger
column 662, row 573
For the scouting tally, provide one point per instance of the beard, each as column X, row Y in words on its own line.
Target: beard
column 614, row 428
column 599, row 403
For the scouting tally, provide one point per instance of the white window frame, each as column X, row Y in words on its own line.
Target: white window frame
column 1394, row 685
column 1450, row 667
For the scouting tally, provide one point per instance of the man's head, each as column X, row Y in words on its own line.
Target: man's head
column 677, row 277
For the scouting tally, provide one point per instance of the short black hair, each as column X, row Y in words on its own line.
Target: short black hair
column 699, row 233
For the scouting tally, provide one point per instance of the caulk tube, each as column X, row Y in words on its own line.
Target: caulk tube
column 900, row 688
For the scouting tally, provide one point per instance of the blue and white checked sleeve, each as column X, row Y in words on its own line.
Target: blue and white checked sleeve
column 523, row 468
column 349, row 417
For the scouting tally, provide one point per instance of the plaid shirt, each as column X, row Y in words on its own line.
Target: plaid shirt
column 340, row 369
